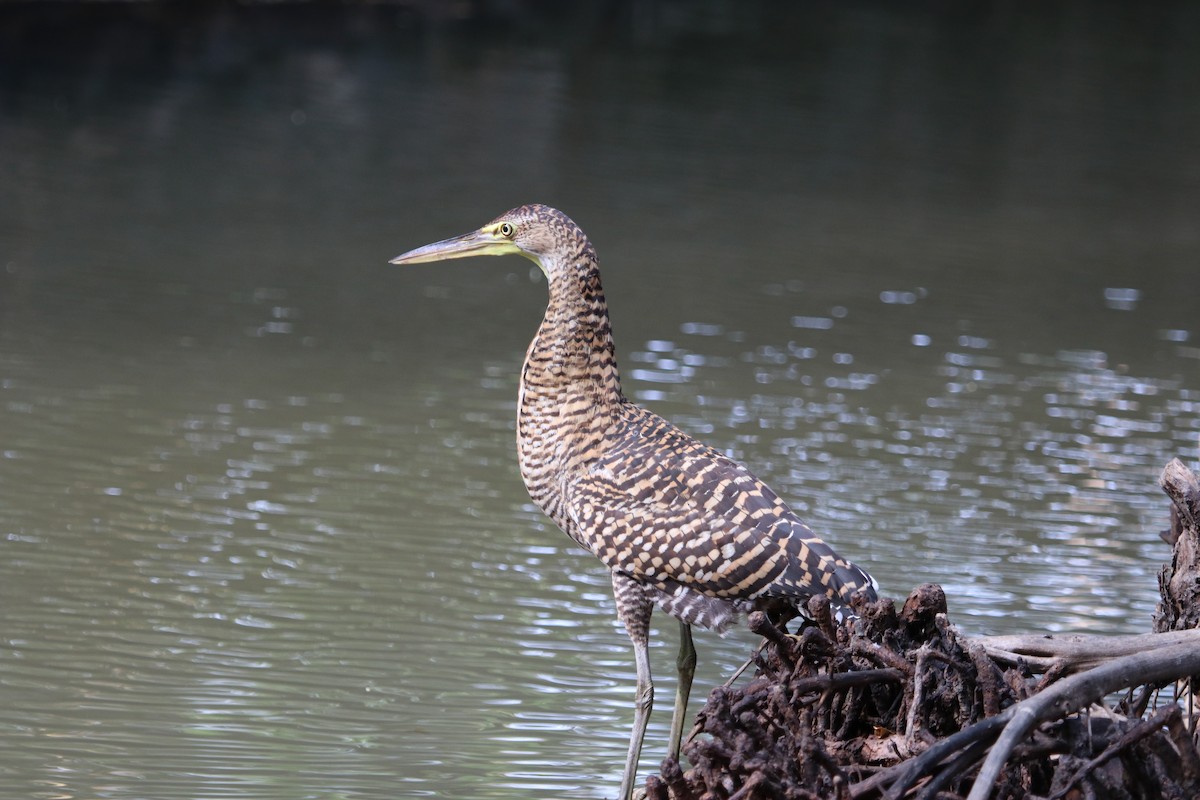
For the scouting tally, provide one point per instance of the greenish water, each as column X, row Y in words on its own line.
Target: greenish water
column 262, row 532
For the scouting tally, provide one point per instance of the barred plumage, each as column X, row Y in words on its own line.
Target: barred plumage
column 680, row 525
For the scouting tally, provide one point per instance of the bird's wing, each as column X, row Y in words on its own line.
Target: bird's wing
column 668, row 510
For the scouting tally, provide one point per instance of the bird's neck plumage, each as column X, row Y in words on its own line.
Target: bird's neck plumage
column 570, row 387
column 573, row 353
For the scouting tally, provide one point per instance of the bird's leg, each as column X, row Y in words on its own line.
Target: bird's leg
column 633, row 609
column 641, row 716
column 685, row 663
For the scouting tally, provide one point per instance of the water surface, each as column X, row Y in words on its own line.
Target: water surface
column 932, row 277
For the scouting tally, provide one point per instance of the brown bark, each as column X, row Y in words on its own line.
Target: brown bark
column 1179, row 581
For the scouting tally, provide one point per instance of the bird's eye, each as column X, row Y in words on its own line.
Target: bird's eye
column 507, row 230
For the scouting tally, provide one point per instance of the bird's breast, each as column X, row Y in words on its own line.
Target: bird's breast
column 569, row 393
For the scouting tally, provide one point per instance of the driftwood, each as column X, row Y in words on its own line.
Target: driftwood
column 903, row 705
column 1074, row 653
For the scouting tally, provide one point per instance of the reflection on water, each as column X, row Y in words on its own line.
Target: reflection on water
column 263, row 533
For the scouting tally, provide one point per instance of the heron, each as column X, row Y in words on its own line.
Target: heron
column 679, row 525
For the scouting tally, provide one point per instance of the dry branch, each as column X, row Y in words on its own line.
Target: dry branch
column 1075, row 653
column 1161, row 665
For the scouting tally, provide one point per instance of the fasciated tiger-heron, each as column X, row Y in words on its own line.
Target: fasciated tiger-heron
column 679, row 524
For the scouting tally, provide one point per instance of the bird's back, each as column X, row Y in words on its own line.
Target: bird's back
column 665, row 508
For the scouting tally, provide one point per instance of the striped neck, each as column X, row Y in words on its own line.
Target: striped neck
column 573, row 350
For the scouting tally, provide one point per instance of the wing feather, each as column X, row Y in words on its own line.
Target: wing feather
column 669, row 511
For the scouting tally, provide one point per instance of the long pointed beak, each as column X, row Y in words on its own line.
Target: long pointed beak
column 475, row 243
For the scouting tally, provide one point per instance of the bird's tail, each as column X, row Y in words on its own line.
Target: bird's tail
column 853, row 579
column 815, row 568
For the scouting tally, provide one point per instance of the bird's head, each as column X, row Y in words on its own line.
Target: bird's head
column 544, row 235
